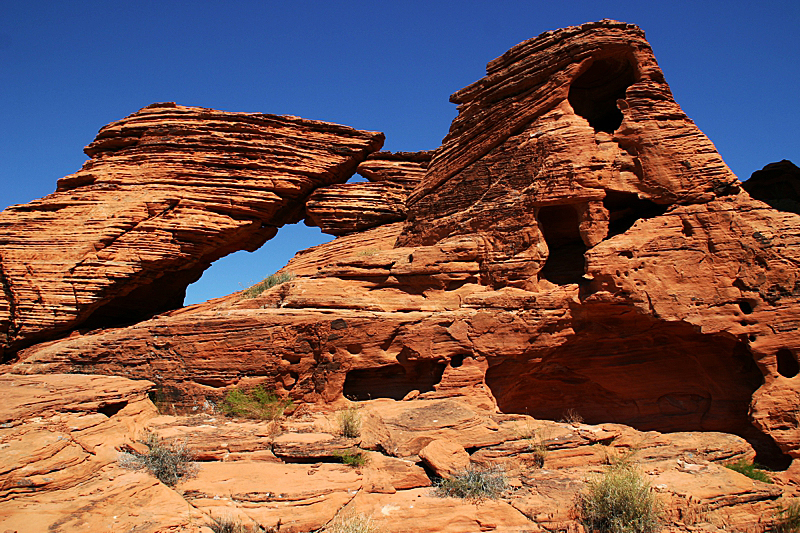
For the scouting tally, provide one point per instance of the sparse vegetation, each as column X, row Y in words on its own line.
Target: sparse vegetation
column 573, row 417
column 352, row 457
column 621, row 501
column 170, row 462
column 787, row 519
column 349, row 422
column 352, row 523
column 751, row 470
column 366, row 252
column 227, row 524
column 267, row 283
column 257, row 402
column 473, row 484
column 536, row 445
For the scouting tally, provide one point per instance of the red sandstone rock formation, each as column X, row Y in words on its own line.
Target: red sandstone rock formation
column 350, row 207
column 62, row 436
column 167, row 191
column 575, row 244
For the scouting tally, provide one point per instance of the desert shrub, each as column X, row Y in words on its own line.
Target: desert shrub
column 257, row 402
column 227, row 524
column 621, row 501
column 751, row 470
column 536, row 446
column 573, row 417
column 170, row 462
column 473, row 484
column 349, row 422
column 351, row 457
column 351, row 523
column 787, row 519
column 267, row 283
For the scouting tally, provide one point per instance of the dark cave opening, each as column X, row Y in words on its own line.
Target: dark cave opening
column 625, row 368
column 625, row 208
column 560, row 227
column 110, row 409
column 393, row 381
column 787, row 363
column 594, row 94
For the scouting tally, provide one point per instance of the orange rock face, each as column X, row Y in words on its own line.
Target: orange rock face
column 167, row 191
column 575, row 245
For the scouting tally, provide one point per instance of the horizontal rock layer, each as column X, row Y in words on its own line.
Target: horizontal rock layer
column 351, row 207
column 167, row 191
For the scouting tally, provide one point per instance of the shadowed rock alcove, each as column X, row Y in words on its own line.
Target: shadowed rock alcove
column 594, row 94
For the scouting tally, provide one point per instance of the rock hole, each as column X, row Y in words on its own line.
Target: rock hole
column 685, row 381
column 456, row 360
column 594, row 94
column 560, row 227
column 746, row 307
column 392, row 381
column 787, row 363
column 625, row 208
column 687, row 228
column 243, row 269
column 354, row 348
column 110, row 409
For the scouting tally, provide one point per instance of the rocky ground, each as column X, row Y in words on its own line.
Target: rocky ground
column 62, row 438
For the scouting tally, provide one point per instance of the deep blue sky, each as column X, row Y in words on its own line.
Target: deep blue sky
column 68, row 68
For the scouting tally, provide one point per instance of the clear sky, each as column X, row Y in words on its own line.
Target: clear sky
column 68, row 68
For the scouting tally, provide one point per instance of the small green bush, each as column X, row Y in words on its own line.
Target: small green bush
column 787, row 519
column 751, row 470
column 621, row 501
column 257, row 402
column 267, row 283
column 473, row 484
column 170, row 462
column 353, row 458
column 349, row 422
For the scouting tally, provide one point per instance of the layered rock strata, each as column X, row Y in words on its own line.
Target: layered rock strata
column 65, row 438
column 166, row 191
column 352, row 207
column 575, row 244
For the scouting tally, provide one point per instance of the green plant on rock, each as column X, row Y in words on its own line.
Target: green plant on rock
column 352, row 457
column 473, row 484
column 267, row 283
column 169, row 461
column 349, row 422
column 787, row 519
column 257, row 402
column 751, row 470
column 620, row 501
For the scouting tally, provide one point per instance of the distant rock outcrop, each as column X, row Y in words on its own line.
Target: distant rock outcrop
column 777, row 184
column 576, row 244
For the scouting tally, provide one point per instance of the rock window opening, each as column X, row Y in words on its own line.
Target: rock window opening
column 787, row 363
column 594, row 94
column 393, row 381
column 625, row 208
column 560, row 228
